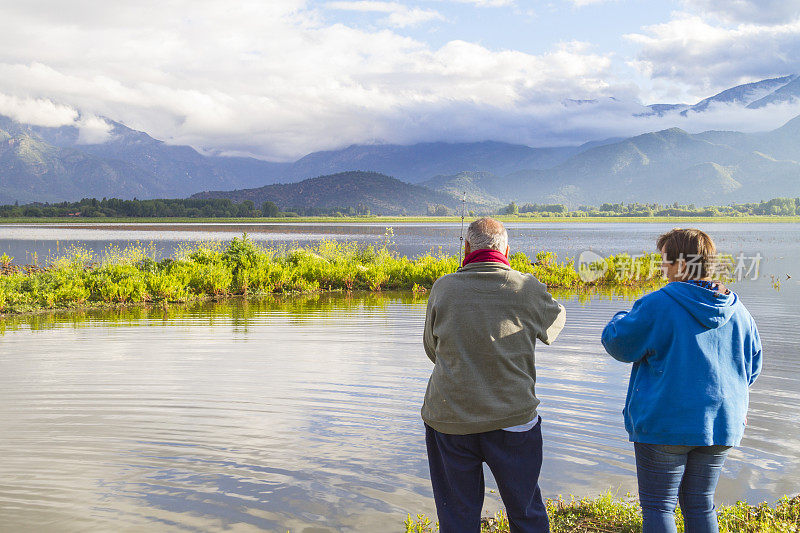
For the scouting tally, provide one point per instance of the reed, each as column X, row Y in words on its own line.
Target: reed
column 78, row 278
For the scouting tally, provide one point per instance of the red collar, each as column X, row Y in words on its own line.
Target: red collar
column 485, row 255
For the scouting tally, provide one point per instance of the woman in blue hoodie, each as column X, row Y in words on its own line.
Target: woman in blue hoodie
column 695, row 351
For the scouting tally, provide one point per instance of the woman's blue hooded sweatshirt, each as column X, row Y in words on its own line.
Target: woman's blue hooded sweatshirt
column 695, row 353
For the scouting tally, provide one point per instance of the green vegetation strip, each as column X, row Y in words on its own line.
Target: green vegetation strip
column 608, row 514
column 524, row 219
column 194, row 209
column 212, row 270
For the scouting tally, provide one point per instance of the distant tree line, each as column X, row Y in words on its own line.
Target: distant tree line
column 358, row 210
column 225, row 208
column 167, row 208
column 775, row 207
column 114, row 207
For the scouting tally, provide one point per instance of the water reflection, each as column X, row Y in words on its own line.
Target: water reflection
column 301, row 413
column 237, row 311
column 272, row 414
column 241, row 312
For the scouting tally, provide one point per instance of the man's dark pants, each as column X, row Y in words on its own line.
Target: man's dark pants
column 456, row 464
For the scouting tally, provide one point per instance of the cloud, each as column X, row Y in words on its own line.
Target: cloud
column 399, row 15
column 44, row 112
column 285, row 82
column 275, row 79
column 748, row 11
column 619, row 119
column 37, row 111
column 690, row 50
column 93, row 130
column 486, row 3
column 582, row 3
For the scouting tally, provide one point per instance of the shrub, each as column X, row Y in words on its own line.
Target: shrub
column 118, row 282
column 210, row 269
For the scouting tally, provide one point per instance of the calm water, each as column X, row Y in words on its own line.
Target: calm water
column 21, row 241
column 302, row 413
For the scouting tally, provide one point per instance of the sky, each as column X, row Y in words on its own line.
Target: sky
column 279, row 79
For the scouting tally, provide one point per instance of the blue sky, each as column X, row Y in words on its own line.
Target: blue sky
column 531, row 27
column 283, row 78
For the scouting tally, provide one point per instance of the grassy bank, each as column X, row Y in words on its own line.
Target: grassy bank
column 210, row 270
column 607, row 514
column 407, row 219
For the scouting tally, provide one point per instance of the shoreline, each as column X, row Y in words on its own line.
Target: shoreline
column 99, row 221
column 609, row 513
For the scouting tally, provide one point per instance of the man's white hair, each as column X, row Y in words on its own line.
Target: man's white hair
column 487, row 233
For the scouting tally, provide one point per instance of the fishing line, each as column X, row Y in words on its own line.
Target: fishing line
column 461, row 243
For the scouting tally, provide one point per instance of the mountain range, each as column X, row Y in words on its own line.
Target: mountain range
column 55, row 164
column 710, row 168
column 750, row 95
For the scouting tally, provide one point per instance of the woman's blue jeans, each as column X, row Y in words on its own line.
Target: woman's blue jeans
column 668, row 474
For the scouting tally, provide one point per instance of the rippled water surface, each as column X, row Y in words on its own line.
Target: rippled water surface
column 302, row 413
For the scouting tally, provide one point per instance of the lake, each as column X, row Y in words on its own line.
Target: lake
column 302, row 413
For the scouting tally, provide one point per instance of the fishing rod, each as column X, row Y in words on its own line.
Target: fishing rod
column 461, row 243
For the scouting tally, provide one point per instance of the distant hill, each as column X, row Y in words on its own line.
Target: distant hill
column 32, row 170
column 419, row 162
column 786, row 93
column 131, row 163
column 380, row 193
column 751, row 95
column 56, row 164
column 182, row 168
column 51, row 164
column 476, row 185
column 711, row 168
column 134, row 164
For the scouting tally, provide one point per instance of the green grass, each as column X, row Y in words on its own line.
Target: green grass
column 398, row 219
column 609, row 514
column 211, row 270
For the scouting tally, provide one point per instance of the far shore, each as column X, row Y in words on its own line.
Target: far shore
column 82, row 222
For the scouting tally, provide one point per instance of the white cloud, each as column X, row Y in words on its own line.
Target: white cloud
column 613, row 119
column 486, row 3
column 748, row 11
column 399, row 15
column 37, row 111
column 365, row 5
column 271, row 78
column 707, row 58
column 274, row 79
column 93, row 130
column 582, row 3
column 45, row 112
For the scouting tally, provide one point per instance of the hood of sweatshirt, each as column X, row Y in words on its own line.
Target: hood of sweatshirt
column 708, row 307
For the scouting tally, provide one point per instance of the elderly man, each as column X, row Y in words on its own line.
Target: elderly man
column 481, row 327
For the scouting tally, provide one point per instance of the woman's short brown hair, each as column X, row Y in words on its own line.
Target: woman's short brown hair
column 693, row 246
